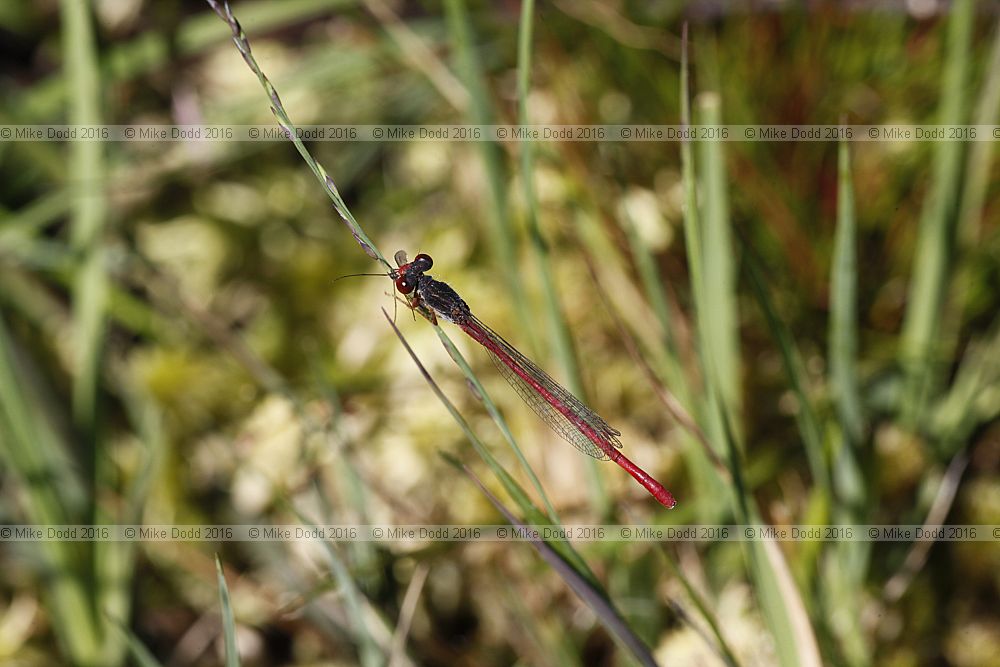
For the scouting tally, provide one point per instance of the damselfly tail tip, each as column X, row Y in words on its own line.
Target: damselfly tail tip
column 666, row 499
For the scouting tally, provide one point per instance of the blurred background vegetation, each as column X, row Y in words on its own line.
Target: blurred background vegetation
column 801, row 332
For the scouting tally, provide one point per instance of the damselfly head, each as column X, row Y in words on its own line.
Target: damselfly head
column 407, row 274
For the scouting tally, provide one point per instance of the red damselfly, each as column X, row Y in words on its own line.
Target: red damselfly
column 565, row 413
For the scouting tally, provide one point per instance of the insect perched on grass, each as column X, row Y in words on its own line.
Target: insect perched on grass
column 565, row 413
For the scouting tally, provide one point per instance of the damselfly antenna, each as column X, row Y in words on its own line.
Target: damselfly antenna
column 354, row 275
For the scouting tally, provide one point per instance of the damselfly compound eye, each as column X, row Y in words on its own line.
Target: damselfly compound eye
column 424, row 261
column 404, row 285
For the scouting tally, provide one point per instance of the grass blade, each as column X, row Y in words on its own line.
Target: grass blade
column 228, row 623
column 591, row 596
column 843, row 351
column 718, row 319
column 783, row 606
column 843, row 306
column 975, row 185
column 845, row 564
column 89, row 213
column 704, row 475
column 928, row 285
column 981, row 152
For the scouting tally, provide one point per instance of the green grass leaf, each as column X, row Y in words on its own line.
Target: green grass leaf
column 919, row 347
column 844, row 306
column 228, row 623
